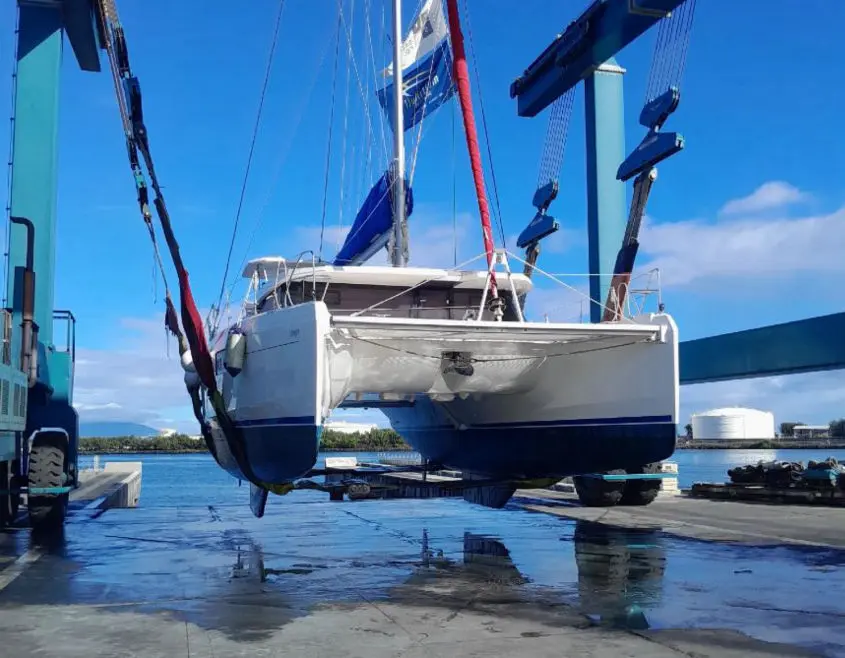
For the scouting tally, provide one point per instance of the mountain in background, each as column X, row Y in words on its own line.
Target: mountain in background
column 116, row 428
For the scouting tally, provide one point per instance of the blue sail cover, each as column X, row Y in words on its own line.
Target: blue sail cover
column 374, row 220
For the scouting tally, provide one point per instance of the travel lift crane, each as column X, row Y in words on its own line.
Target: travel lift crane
column 592, row 39
column 38, row 423
column 586, row 45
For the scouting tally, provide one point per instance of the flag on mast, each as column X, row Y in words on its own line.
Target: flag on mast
column 426, row 67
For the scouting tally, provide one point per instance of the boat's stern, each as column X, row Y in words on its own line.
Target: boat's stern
column 278, row 400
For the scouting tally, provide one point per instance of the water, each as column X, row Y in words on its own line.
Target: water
column 194, row 478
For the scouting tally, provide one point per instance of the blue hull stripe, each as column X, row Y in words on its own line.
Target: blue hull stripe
column 574, row 422
column 622, row 420
column 269, row 422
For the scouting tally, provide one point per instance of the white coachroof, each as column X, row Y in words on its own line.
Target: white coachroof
column 278, row 269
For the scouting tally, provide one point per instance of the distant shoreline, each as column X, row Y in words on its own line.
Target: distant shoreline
column 779, row 444
column 712, row 445
column 201, row 451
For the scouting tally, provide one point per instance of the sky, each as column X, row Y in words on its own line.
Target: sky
column 747, row 224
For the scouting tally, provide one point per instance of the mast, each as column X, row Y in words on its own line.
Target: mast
column 397, row 247
column 461, row 77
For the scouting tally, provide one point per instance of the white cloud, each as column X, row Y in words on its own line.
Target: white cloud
column 771, row 195
column 809, row 398
column 136, row 381
column 694, row 251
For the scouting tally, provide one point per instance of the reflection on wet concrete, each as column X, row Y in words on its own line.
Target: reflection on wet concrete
column 221, row 570
column 620, row 573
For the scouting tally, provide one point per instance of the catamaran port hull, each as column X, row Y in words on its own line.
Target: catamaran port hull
column 506, row 399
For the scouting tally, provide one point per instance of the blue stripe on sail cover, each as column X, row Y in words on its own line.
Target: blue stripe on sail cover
column 427, row 85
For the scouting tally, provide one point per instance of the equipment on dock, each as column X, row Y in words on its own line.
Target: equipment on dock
column 780, row 482
column 825, row 474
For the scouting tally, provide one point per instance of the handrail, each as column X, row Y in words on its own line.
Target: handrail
column 70, row 336
column 635, row 300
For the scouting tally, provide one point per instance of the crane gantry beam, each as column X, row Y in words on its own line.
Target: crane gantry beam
column 592, row 39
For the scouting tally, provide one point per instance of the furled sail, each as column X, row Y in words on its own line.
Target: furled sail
column 427, row 85
column 426, row 67
column 373, row 223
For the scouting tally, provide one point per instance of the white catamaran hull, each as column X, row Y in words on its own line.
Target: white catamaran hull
column 507, row 399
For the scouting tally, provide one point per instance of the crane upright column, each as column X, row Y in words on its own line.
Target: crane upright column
column 606, row 208
column 35, row 162
column 38, row 425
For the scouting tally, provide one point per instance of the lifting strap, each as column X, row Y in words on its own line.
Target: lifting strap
column 661, row 99
column 662, row 93
column 554, row 146
column 129, row 101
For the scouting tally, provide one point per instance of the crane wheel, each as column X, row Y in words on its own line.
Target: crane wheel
column 641, row 492
column 595, row 492
column 47, row 467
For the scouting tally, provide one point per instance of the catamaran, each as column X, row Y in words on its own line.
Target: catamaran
column 446, row 354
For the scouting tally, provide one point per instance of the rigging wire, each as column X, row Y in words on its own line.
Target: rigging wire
column 305, row 97
column 351, row 52
column 252, row 146
column 555, row 142
column 670, row 50
column 484, row 125
column 454, row 192
column 331, row 126
column 349, row 59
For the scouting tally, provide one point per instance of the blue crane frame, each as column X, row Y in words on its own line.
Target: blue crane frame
column 34, row 174
column 585, row 52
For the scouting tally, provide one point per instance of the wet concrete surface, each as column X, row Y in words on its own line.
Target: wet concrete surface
column 748, row 522
column 407, row 578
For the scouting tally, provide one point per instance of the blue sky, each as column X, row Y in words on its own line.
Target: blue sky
column 747, row 224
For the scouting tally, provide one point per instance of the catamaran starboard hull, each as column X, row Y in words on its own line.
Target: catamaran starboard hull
column 529, row 451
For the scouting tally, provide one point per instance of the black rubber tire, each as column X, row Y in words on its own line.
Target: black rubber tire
column 47, row 461
column 9, row 503
column 641, row 492
column 593, row 492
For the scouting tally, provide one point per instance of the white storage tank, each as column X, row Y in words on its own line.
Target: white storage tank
column 733, row 423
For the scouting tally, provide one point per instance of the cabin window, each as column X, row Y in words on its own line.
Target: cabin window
column 427, row 302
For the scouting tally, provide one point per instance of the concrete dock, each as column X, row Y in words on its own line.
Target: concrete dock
column 433, row 577
column 115, row 485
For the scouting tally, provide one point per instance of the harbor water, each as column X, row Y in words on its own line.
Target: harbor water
column 196, row 479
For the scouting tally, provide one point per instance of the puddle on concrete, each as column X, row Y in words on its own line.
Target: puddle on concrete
column 247, row 577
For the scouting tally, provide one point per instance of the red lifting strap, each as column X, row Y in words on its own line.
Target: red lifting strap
column 460, row 74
